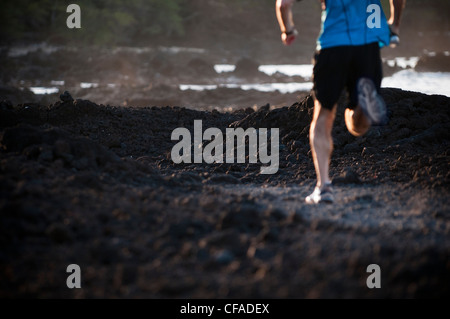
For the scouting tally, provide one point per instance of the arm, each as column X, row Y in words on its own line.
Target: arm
column 397, row 7
column 285, row 19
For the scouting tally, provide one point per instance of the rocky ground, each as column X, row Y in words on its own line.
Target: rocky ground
column 94, row 185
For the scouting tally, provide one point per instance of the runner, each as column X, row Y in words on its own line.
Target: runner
column 347, row 56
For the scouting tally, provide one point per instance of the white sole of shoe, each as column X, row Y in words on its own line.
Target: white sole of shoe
column 371, row 103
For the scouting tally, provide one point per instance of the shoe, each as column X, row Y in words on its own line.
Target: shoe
column 371, row 102
column 324, row 195
column 394, row 39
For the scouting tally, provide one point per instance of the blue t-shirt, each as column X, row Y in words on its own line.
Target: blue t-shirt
column 353, row 22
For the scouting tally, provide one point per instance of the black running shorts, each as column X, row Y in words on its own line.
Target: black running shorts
column 340, row 67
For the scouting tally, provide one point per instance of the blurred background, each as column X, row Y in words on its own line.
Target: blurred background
column 211, row 54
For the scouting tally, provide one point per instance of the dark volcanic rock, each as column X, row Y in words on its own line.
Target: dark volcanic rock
column 349, row 176
column 81, row 153
column 66, row 97
column 438, row 63
column 246, row 67
column 201, row 68
column 95, row 185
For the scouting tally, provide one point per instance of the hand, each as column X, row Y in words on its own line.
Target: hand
column 285, row 20
column 324, row 5
column 289, row 38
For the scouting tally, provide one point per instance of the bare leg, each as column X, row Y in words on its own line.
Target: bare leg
column 321, row 141
column 397, row 7
column 357, row 123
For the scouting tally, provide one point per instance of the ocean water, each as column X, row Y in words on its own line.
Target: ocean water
column 424, row 82
column 407, row 79
column 303, row 70
column 44, row 90
column 262, row 87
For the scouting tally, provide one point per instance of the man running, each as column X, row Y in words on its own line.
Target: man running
column 348, row 56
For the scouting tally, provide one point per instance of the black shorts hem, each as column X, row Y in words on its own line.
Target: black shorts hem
column 339, row 68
